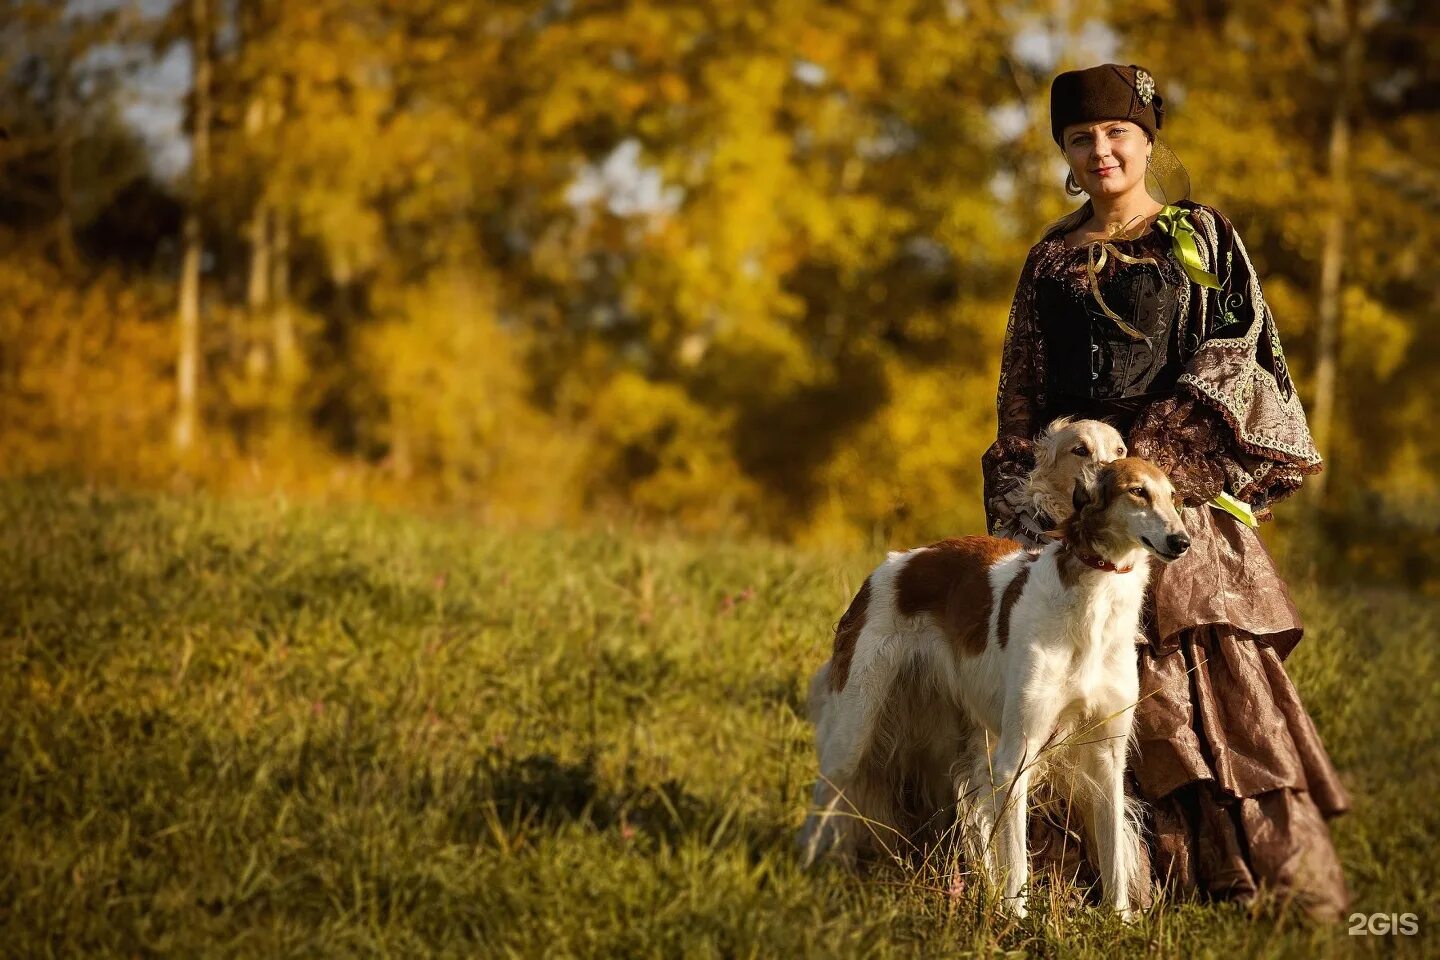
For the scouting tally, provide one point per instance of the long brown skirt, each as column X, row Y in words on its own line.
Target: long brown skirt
column 1235, row 782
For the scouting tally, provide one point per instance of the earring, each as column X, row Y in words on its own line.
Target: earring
column 1071, row 186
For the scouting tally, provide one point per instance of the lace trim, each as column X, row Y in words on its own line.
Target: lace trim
column 1256, row 442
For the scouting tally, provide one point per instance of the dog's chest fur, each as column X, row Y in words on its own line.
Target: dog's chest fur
column 1083, row 641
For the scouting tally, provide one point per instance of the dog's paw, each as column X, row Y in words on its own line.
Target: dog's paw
column 821, row 839
column 811, row 843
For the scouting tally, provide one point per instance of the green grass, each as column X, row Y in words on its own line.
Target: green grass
column 258, row 730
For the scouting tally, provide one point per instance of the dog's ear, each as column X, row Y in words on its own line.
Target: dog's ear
column 1081, row 496
column 1104, row 487
column 1046, row 450
column 1093, row 489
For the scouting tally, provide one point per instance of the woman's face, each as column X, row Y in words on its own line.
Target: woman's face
column 1108, row 157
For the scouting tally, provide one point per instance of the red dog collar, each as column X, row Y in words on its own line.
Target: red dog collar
column 1099, row 563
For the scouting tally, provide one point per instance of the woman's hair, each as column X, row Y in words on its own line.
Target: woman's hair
column 1085, row 211
column 1070, row 221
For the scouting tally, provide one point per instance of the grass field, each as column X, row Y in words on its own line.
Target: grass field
column 258, row 730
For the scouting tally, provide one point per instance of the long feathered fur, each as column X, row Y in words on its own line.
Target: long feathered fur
column 911, row 727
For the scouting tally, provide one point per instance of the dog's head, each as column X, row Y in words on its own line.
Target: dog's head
column 1066, row 452
column 1131, row 504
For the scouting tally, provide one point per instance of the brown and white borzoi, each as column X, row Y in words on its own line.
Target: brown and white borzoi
column 990, row 643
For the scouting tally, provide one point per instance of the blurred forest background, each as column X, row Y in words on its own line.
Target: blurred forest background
column 743, row 268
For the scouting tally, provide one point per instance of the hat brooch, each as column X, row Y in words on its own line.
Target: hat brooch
column 1144, row 86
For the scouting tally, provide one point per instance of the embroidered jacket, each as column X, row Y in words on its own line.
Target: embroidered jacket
column 1206, row 395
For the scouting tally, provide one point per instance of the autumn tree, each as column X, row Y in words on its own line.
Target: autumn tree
column 66, row 154
column 732, row 265
column 1319, row 150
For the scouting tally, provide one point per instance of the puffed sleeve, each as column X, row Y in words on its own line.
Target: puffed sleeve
column 1235, row 422
column 1019, row 404
column 1188, row 441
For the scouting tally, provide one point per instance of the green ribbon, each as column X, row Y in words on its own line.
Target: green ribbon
column 1175, row 223
column 1238, row 509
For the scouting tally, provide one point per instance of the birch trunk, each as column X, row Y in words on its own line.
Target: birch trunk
column 287, row 358
column 187, row 367
column 1332, row 258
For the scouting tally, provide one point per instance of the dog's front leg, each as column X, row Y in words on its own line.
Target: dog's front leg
column 973, row 800
column 1029, row 722
column 1112, row 831
column 1009, row 798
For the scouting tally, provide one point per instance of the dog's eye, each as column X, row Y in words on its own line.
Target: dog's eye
column 1081, row 451
column 1119, row 451
column 1138, row 491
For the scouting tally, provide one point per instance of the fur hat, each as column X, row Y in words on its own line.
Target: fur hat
column 1107, row 92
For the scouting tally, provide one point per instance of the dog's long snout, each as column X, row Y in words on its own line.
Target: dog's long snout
column 1177, row 543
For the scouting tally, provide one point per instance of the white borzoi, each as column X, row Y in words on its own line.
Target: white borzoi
column 1034, row 652
column 1068, row 451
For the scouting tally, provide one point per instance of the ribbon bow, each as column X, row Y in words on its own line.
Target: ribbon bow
column 1175, row 223
column 1099, row 253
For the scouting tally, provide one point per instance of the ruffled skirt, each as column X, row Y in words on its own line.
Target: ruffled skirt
column 1235, row 779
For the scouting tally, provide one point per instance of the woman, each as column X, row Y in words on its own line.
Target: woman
column 1142, row 308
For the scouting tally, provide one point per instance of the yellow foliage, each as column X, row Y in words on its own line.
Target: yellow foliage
column 777, row 302
column 911, row 474
column 457, row 418
column 1375, row 338
column 85, row 372
column 656, row 450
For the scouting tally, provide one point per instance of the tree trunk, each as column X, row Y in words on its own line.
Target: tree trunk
column 257, row 297
column 65, row 178
column 258, row 290
column 187, row 367
column 1332, row 258
column 287, row 349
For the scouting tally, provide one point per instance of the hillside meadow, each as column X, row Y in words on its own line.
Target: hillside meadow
column 256, row 729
